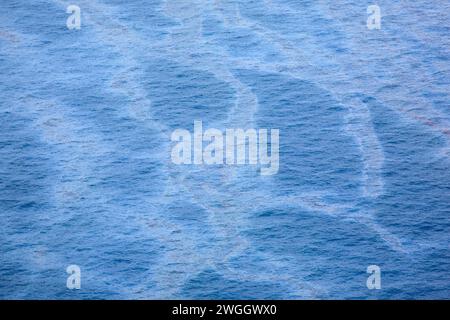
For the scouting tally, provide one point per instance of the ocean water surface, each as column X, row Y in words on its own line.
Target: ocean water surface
column 86, row 176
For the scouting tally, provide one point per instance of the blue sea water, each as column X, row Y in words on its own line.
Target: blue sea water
column 86, row 176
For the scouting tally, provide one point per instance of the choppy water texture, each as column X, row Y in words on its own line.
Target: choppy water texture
column 85, row 170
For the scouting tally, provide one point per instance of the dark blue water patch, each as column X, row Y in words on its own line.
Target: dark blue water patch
column 26, row 167
column 315, row 151
column 417, row 177
column 126, row 183
column 185, row 212
column 26, row 180
column 239, row 41
column 14, row 281
column 43, row 19
column 334, row 252
column 114, row 259
column 181, row 95
column 211, row 284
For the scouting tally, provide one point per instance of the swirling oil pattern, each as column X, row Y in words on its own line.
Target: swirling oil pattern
column 86, row 176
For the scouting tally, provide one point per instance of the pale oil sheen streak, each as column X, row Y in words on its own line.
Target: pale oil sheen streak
column 172, row 276
column 226, row 73
column 363, row 117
